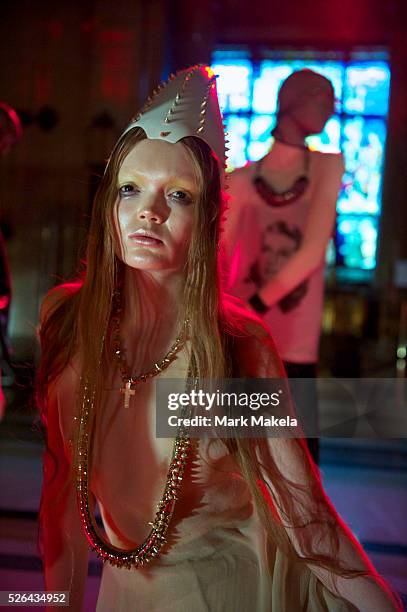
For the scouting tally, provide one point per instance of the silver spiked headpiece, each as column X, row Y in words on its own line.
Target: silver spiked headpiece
column 186, row 105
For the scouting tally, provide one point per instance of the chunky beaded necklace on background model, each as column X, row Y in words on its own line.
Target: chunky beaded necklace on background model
column 153, row 543
column 275, row 198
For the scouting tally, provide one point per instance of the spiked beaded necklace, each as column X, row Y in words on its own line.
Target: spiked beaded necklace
column 155, row 540
column 151, row 546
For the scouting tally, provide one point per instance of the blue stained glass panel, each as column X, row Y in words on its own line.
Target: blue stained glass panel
column 261, row 126
column 367, row 88
column 330, row 257
column 260, row 136
column 356, row 241
column 266, row 86
column 238, row 129
column 328, row 140
column 234, row 84
column 363, row 148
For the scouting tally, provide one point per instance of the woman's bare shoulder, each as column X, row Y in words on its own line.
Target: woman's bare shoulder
column 55, row 297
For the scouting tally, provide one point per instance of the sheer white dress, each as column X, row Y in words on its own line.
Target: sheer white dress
column 215, row 560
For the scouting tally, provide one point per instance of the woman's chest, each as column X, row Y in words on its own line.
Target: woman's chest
column 129, row 458
column 129, row 482
column 131, row 462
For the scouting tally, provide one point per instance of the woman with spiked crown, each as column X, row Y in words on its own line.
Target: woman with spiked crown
column 235, row 524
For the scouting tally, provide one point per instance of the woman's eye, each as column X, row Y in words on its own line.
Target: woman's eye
column 128, row 189
column 181, row 196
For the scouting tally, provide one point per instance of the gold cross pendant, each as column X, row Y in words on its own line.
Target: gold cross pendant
column 127, row 392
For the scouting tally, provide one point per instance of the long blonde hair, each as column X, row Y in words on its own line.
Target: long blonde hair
column 81, row 318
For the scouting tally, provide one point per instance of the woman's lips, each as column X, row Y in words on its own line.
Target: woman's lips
column 145, row 240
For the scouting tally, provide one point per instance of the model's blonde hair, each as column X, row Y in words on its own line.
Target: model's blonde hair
column 80, row 319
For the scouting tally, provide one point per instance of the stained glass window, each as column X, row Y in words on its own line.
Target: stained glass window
column 248, row 86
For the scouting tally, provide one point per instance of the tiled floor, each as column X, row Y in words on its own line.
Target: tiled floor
column 366, row 480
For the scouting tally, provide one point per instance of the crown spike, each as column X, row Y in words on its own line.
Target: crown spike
column 184, row 109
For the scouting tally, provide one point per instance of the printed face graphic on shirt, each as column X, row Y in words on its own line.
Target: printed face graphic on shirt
column 279, row 242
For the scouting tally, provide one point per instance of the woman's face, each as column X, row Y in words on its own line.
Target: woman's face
column 157, row 194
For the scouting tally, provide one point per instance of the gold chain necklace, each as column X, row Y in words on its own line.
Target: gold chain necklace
column 153, row 543
column 130, row 382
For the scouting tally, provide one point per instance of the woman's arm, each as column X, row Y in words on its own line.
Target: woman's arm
column 295, row 495
column 317, row 232
column 366, row 593
column 64, row 546
column 309, row 517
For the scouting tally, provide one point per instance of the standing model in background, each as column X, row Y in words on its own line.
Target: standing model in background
column 280, row 219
